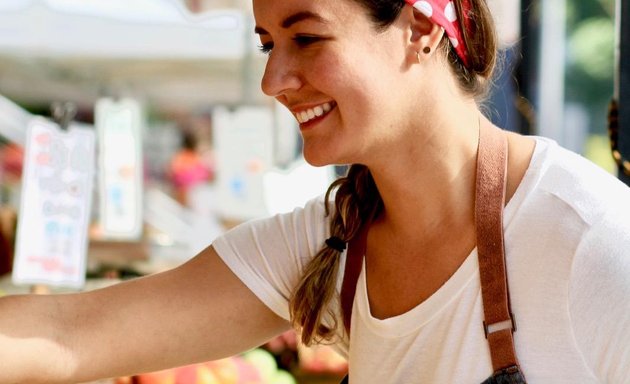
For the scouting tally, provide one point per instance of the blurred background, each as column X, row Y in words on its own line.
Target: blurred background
column 184, row 145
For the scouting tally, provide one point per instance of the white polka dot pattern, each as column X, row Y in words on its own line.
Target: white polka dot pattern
column 449, row 12
column 444, row 14
column 424, row 7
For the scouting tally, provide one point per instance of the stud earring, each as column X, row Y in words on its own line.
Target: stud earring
column 426, row 50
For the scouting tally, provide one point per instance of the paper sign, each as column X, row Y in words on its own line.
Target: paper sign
column 120, row 168
column 57, row 181
column 244, row 151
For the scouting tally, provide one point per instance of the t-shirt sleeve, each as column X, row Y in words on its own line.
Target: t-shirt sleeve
column 268, row 255
column 599, row 298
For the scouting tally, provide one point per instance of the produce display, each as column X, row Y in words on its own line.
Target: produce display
column 254, row 367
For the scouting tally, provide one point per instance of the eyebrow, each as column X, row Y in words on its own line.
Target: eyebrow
column 293, row 19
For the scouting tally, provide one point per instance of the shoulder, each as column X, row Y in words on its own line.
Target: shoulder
column 269, row 254
column 311, row 217
column 564, row 196
column 568, row 194
column 576, row 224
column 301, row 231
column 574, row 181
column 599, row 296
column 599, row 276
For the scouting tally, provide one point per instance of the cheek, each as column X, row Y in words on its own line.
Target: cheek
column 362, row 88
column 344, row 79
column 325, row 72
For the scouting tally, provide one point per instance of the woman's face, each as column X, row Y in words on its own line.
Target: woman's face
column 341, row 79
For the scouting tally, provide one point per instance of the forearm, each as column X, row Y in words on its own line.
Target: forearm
column 32, row 346
column 197, row 312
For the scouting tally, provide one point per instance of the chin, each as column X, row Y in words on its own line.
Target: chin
column 317, row 158
column 316, row 163
column 319, row 153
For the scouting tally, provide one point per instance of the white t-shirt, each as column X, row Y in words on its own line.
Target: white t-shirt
column 567, row 236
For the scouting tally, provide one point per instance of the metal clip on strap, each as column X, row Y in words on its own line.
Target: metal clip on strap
column 500, row 326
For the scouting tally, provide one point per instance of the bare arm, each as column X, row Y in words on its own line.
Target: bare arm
column 198, row 311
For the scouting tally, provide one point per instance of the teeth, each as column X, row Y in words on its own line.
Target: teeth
column 311, row 113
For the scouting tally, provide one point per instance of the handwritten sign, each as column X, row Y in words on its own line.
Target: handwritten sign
column 51, row 243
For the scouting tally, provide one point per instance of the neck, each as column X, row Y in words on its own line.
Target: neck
column 430, row 186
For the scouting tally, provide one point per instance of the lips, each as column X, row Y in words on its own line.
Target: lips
column 306, row 115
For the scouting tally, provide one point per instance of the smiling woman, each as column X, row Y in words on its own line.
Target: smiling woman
column 419, row 265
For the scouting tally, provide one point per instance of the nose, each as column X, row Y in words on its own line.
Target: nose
column 281, row 75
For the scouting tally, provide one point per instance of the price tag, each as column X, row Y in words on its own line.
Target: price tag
column 57, row 181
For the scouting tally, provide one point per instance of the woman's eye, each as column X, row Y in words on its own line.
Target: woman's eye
column 300, row 40
column 305, row 40
column 265, row 48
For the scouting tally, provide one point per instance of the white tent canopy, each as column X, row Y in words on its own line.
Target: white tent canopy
column 119, row 29
column 155, row 50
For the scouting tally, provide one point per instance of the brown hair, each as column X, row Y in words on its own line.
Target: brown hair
column 357, row 199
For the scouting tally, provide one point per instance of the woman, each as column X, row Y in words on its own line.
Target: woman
column 390, row 88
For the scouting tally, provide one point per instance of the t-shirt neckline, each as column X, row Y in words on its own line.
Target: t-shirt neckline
column 466, row 274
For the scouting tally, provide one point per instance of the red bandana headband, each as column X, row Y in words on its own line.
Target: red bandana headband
column 444, row 14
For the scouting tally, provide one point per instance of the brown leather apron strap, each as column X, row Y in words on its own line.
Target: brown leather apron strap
column 489, row 202
column 352, row 270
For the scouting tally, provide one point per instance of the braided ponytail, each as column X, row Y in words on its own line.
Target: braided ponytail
column 356, row 201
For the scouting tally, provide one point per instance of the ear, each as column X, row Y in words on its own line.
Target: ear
column 424, row 32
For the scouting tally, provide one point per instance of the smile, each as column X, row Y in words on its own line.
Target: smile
column 312, row 113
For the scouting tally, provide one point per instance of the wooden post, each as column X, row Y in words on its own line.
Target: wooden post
column 527, row 72
column 622, row 86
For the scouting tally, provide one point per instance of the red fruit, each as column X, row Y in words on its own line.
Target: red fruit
column 161, row 377
column 186, row 375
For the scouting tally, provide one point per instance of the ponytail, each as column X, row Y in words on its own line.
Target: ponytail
column 357, row 201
